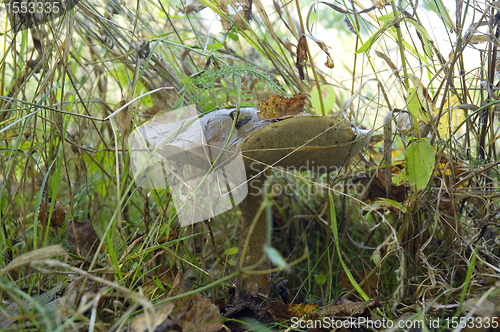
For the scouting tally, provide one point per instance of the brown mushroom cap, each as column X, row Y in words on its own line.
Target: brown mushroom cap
column 301, row 141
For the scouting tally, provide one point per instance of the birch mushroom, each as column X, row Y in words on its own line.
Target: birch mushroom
column 216, row 142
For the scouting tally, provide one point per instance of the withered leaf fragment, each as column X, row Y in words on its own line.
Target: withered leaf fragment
column 379, row 4
column 301, row 55
column 279, row 107
column 329, row 62
column 239, row 11
column 193, row 6
column 58, row 215
column 123, row 118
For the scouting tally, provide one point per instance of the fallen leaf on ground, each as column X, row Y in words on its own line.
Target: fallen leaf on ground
column 83, row 236
column 202, row 315
column 344, row 307
column 144, row 321
column 279, row 107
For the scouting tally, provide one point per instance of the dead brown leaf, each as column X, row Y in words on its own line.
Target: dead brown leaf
column 123, row 118
column 345, row 307
column 193, row 6
column 279, row 107
column 329, row 62
column 379, row 4
column 301, row 55
column 144, row 322
column 201, row 316
column 84, row 237
column 240, row 11
column 58, row 215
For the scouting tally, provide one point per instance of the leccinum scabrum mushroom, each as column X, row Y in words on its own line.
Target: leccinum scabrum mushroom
column 297, row 142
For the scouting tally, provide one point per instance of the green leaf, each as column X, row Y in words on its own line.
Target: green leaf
column 373, row 38
column 425, row 36
column 276, row 258
column 419, row 156
column 146, row 100
column 392, row 203
column 186, row 80
column 439, row 8
column 328, row 94
column 320, row 279
column 376, row 258
column 400, row 178
column 123, row 75
column 388, row 17
column 233, row 36
column 218, row 46
column 415, row 106
column 232, row 251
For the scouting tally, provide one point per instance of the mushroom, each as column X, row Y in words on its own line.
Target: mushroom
column 233, row 156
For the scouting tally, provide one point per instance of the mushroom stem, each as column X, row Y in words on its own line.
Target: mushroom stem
column 256, row 239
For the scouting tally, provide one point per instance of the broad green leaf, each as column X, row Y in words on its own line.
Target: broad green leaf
column 146, row 100
column 328, row 94
column 400, row 178
column 376, row 257
column 233, row 36
column 415, row 106
column 419, row 156
column 276, row 258
column 186, row 80
column 320, row 279
column 388, row 17
column 232, row 251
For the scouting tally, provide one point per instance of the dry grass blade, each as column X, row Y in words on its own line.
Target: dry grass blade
column 36, row 255
column 64, row 267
